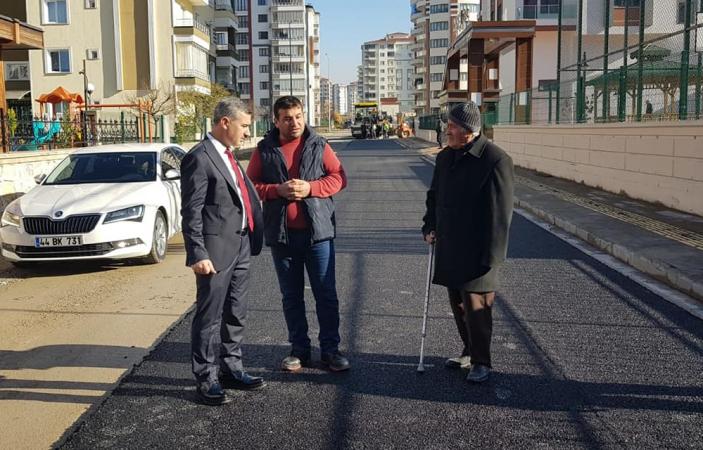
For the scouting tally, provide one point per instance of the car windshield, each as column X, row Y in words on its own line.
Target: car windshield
column 118, row 167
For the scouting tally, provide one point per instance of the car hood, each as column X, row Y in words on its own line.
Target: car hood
column 84, row 198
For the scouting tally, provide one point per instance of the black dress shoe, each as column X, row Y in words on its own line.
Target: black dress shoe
column 211, row 393
column 335, row 361
column 241, row 380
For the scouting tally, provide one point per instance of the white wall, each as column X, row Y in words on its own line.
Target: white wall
column 653, row 161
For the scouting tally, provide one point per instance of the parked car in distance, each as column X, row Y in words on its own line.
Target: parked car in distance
column 117, row 201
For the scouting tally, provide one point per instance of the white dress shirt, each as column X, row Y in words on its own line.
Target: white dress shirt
column 225, row 159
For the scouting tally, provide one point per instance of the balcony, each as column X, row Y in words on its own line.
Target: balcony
column 224, row 5
column 226, row 50
column 280, row 3
column 288, row 58
column 192, row 27
column 191, row 73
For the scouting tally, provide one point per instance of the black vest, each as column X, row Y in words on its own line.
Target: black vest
column 319, row 212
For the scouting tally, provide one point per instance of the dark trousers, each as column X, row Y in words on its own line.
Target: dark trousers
column 221, row 307
column 474, row 320
column 291, row 260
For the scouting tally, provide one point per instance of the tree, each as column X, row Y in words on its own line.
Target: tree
column 194, row 107
column 155, row 103
column 338, row 120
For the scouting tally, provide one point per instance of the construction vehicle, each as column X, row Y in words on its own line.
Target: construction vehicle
column 364, row 113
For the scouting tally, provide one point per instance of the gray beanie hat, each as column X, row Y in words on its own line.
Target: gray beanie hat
column 466, row 115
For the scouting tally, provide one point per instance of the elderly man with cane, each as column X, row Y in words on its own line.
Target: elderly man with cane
column 469, row 209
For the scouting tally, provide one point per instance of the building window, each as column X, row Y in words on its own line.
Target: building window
column 241, row 5
column 437, row 60
column 264, row 68
column 439, row 43
column 263, row 18
column 55, row 12
column 436, row 76
column 242, row 22
column 92, row 54
column 243, row 55
column 263, row 35
column 191, row 61
column 264, row 51
column 241, row 38
column 91, row 4
column 265, row 102
column 264, row 85
column 243, row 88
column 443, row 8
column 58, row 61
column 220, row 38
column 681, row 12
column 262, row 2
column 243, row 71
column 439, row 26
column 16, row 71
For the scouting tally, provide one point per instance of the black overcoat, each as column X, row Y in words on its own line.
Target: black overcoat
column 469, row 207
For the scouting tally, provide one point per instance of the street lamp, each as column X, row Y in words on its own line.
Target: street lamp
column 88, row 88
column 329, row 95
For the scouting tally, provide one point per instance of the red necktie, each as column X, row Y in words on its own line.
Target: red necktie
column 242, row 188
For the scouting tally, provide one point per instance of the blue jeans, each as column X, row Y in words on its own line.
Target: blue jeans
column 290, row 261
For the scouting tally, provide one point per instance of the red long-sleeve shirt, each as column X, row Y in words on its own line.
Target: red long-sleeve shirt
column 334, row 181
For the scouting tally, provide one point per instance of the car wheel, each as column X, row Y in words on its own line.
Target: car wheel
column 159, row 242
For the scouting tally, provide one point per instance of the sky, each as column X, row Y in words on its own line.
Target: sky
column 346, row 24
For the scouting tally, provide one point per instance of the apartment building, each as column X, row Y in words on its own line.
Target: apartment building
column 340, row 98
column 434, row 29
column 277, row 43
column 312, row 76
column 326, row 98
column 387, row 73
column 225, row 29
column 121, row 48
column 352, row 96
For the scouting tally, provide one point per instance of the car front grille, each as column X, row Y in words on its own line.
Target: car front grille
column 69, row 225
column 24, row 251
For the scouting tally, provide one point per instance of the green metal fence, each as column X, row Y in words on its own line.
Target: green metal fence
column 618, row 61
column 428, row 122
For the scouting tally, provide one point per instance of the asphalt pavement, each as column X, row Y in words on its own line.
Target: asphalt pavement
column 584, row 357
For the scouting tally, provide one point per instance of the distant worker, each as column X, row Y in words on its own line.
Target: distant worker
column 438, row 130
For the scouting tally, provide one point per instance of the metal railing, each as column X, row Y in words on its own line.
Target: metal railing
column 38, row 134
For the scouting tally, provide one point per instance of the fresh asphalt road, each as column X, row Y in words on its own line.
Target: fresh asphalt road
column 584, row 358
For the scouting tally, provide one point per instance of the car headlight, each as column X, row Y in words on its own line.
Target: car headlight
column 134, row 213
column 12, row 215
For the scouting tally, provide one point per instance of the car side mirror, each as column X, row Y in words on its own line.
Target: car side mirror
column 39, row 178
column 172, row 174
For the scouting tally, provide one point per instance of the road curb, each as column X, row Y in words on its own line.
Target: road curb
column 653, row 267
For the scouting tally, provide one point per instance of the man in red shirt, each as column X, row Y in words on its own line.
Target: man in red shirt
column 296, row 173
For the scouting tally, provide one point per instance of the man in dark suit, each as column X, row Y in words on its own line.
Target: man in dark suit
column 469, row 209
column 222, row 228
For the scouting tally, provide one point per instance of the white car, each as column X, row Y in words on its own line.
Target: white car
column 108, row 202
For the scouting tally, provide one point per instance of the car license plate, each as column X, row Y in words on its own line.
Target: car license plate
column 57, row 241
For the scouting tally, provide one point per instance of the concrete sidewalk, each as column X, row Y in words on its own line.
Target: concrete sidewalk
column 663, row 243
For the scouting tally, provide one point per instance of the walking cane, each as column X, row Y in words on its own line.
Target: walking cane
column 430, row 260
